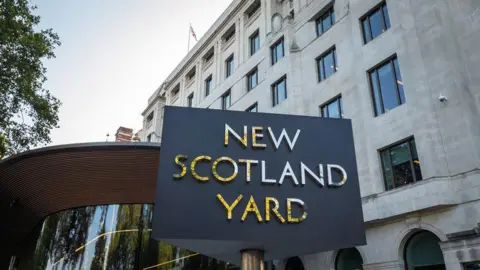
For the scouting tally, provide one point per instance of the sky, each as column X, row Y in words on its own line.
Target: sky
column 114, row 55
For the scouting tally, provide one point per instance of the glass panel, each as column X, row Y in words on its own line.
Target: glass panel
column 324, row 112
column 281, row 92
column 402, row 170
column 376, row 93
column 333, row 109
column 257, row 43
column 387, row 170
column 329, row 65
column 399, row 81
column 320, row 70
column 254, row 79
column 332, row 15
column 319, row 27
column 388, row 87
column 416, row 161
column 366, row 30
column 376, row 23
column 386, row 16
column 341, row 107
column 336, row 61
column 280, row 51
column 326, row 22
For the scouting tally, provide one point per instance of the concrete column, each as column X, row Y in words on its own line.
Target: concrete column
column 240, row 40
column 198, row 83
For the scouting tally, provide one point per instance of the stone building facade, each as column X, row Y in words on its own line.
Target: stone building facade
column 406, row 72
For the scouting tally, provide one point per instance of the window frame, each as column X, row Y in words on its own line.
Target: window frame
column 227, row 61
column 388, row 148
column 249, row 75
column 208, row 85
column 251, row 39
column 254, row 105
column 150, row 117
column 190, row 100
column 330, row 101
column 329, row 10
column 273, row 50
column 228, row 94
column 253, row 9
column 274, row 89
column 366, row 17
column 321, row 58
column 389, row 60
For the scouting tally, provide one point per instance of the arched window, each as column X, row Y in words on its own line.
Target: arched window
column 348, row 259
column 422, row 252
column 294, row 263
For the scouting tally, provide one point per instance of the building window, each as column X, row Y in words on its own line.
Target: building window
column 375, row 22
column 253, row 108
column 327, row 64
column 209, row 56
column 252, row 10
column 229, row 34
column 279, row 91
column 252, row 79
column 387, row 86
column 208, row 85
column 471, row 265
column 150, row 117
column 149, row 137
column 226, row 100
column 190, row 100
column 333, row 109
column 229, row 66
column 400, row 164
column 191, row 75
column 254, row 43
column 325, row 21
column 176, row 90
column 278, row 51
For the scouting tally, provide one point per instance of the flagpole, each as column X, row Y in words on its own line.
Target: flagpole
column 189, row 34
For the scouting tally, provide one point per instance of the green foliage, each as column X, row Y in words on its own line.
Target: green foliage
column 27, row 111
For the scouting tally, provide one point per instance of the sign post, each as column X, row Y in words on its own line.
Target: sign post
column 247, row 187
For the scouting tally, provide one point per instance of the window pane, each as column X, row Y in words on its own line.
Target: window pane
column 280, row 51
column 376, row 23
column 366, row 30
column 319, row 27
column 333, row 109
column 402, row 170
column 257, row 43
column 328, row 65
column 281, row 91
column 399, row 81
column 336, row 61
column 376, row 93
column 386, row 16
column 332, row 15
column 255, row 79
column 341, row 107
column 326, row 23
column 387, row 170
column 320, row 70
column 416, row 161
column 388, row 87
column 324, row 112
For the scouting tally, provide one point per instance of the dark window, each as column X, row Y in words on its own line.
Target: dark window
column 190, row 100
column 400, row 164
column 208, row 85
column 191, row 74
column 279, row 91
column 176, row 90
column 229, row 66
column 277, row 51
column 292, row 14
column 254, row 43
column 375, row 22
column 253, row 8
column 253, row 108
column 150, row 117
column 149, row 137
column 229, row 34
column 327, row 64
column 387, row 86
column 209, row 56
column 325, row 21
column 226, row 100
column 252, row 79
column 333, row 109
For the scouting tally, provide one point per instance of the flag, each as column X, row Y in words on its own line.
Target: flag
column 193, row 33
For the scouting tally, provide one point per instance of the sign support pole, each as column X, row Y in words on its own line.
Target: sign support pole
column 252, row 259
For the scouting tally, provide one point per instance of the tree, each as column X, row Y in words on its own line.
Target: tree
column 28, row 112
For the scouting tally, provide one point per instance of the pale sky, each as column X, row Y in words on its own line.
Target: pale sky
column 114, row 54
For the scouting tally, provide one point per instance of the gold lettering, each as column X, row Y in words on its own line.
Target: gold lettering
column 289, row 210
column 192, row 168
column 257, row 133
column 274, row 209
column 252, row 207
column 248, row 162
column 223, row 179
column 178, row 161
column 229, row 207
column 243, row 140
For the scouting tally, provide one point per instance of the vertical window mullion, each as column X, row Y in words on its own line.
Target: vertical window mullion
column 370, row 28
column 399, row 100
column 380, row 9
column 411, row 160
column 380, row 91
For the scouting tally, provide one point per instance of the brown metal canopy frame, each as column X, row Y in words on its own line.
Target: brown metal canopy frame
column 40, row 182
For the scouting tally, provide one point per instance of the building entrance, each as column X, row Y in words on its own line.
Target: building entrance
column 422, row 252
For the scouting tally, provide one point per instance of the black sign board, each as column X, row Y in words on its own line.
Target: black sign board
column 230, row 181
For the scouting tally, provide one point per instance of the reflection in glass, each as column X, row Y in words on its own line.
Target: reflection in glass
column 109, row 237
